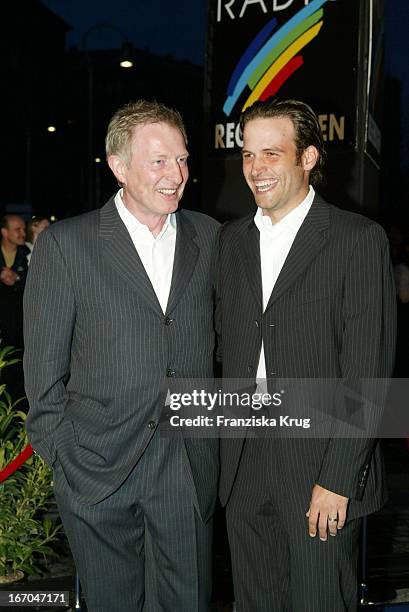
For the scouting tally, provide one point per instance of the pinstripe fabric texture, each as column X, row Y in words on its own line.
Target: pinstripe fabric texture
column 148, row 521
column 331, row 315
column 99, row 351
column 270, row 544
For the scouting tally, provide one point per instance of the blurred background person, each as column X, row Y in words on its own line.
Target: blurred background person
column 34, row 227
column 13, row 272
column 401, row 271
column 400, row 259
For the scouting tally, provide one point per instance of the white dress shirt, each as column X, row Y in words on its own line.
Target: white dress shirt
column 275, row 244
column 157, row 254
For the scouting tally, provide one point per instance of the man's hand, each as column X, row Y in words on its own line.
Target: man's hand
column 8, row 276
column 327, row 510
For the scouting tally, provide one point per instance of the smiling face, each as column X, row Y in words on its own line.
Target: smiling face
column 278, row 180
column 155, row 177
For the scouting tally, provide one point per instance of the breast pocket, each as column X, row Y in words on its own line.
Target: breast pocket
column 312, row 307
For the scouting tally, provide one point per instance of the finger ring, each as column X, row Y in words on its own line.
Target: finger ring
column 332, row 520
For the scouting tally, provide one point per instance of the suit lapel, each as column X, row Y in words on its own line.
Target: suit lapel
column 250, row 248
column 309, row 240
column 186, row 255
column 122, row 255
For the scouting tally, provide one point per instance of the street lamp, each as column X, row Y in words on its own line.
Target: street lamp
column 126, row 56
column 125, row 62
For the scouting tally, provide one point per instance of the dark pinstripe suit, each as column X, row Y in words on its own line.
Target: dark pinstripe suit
column 98, row 351
column 331, row 314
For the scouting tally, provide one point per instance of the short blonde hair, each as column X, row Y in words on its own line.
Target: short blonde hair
column 142, row 112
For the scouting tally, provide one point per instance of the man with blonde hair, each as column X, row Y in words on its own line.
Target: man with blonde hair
column 119, row 302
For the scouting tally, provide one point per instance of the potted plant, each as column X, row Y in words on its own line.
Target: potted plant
column 25, row 533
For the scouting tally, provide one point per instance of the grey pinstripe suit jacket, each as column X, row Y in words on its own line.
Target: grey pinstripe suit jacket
column 331, row 315
column 98, row 348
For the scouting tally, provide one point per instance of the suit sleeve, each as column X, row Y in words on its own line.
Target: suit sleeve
column 367, row 351
column 49, row 317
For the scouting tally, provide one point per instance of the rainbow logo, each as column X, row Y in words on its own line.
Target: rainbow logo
column 271, row 59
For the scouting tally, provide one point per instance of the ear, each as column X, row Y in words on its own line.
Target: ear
column 309, row 158
column 4, row 232
column 118, row 167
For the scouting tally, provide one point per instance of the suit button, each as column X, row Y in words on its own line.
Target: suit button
column 151, row 424
column 170, row 373
column 250, row 369
column 168, row 321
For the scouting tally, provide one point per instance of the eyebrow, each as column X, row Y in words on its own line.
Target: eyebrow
column 265, row 150
column 165, row 155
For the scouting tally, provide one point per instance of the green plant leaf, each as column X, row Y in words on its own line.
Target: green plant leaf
column 24, row 534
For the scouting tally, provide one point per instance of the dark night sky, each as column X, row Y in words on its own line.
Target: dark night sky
column 397, row 60
column 162, row 26
column 397, row 41
column 179, row 27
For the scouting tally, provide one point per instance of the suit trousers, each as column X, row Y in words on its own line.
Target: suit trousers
column 144, row 547
column 277, row 566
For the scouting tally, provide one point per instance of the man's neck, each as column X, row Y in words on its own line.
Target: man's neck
column 278, row 215
column 9, row 253
column 153, row 222
column 8, row 247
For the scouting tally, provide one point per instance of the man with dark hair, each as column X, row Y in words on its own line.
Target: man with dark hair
column 307, row 131
column 13, row 252
column 13, row 272
column 118, row 303
column 306, row 292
